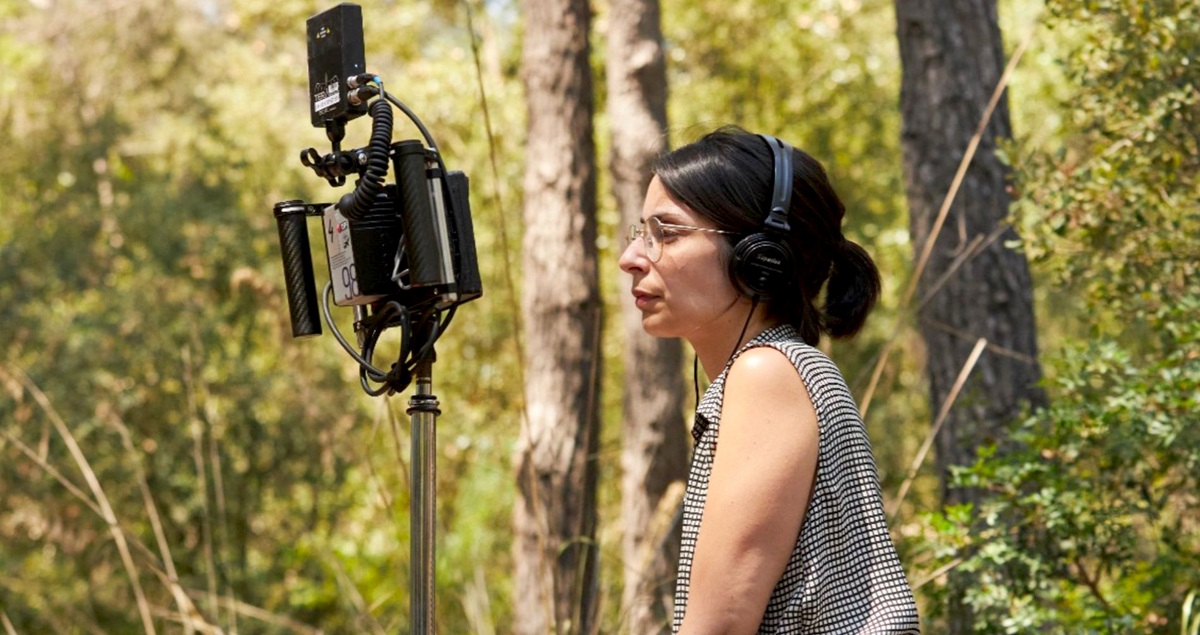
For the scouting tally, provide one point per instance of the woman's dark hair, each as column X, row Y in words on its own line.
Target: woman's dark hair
column 727, row 177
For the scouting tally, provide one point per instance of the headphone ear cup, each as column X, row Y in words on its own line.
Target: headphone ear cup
column 760, row 265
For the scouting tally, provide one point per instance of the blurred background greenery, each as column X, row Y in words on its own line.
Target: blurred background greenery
column 249, row 484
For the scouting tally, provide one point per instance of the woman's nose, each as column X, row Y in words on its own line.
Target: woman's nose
column 634, row 257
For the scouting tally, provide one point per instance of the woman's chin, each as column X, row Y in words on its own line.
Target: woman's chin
column 655, row 326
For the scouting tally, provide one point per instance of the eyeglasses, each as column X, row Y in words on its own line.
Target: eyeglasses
column 656, row 231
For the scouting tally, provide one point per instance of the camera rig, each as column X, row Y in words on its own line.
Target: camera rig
column 401, row 254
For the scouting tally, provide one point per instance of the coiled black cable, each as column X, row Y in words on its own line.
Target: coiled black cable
column 355, row 204
column 399, row 377
column 429, row 322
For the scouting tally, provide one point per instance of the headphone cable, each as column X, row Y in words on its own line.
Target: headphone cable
column 736, row 345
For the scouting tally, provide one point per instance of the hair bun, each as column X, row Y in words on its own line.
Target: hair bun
column 852, row 289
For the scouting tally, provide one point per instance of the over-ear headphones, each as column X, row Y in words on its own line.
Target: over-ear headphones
column 762, row 261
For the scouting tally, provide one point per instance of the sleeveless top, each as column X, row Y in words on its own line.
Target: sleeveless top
column 844, row 575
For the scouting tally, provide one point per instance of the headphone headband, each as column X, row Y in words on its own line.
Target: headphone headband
column 781, row 195
column 762, row 262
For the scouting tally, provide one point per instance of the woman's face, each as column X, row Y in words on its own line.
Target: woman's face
column 688, row 289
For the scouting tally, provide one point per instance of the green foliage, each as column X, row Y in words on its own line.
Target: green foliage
column 1091, row 523
column 141, row 288
column 1191, row 621
column 1119, row 200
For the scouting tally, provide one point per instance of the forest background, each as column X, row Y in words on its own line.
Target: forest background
column 172, row 460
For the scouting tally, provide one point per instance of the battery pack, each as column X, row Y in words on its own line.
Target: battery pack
column 335, row 54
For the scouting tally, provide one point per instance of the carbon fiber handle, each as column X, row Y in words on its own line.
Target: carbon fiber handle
column 298, row 268
column 425, row 262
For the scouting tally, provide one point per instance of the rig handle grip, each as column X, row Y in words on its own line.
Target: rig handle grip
column 298, row 268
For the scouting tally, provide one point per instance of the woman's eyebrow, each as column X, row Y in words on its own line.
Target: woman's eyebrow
column 668, row 215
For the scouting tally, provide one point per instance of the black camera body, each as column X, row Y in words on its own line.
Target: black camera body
column 400, row 252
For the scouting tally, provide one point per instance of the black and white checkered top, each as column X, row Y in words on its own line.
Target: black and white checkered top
column 844, row 575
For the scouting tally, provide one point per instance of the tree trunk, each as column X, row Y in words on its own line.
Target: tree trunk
column 654, row 450
column 952, row 58
column 555, row 516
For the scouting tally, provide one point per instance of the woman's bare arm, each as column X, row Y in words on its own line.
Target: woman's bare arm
column 758, row 492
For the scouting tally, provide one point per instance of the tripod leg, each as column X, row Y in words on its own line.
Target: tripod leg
column 423, row 408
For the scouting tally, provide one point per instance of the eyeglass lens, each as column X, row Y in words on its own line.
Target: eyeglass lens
column 651, row 234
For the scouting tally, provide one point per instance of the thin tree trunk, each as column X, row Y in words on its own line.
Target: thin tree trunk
column 654, row 449
column 952, row 57
column 555, row 516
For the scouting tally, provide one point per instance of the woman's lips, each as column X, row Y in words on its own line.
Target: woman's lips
column 642, row 299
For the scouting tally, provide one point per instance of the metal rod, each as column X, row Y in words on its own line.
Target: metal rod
column 423, row 408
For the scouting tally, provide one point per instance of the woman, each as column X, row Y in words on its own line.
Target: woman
column 783, row 527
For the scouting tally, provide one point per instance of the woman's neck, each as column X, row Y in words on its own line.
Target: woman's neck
column 715, row 344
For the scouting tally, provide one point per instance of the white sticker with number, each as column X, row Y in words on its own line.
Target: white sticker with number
column 341, row 257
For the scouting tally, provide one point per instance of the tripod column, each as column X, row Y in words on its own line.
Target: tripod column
column 423, row 408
